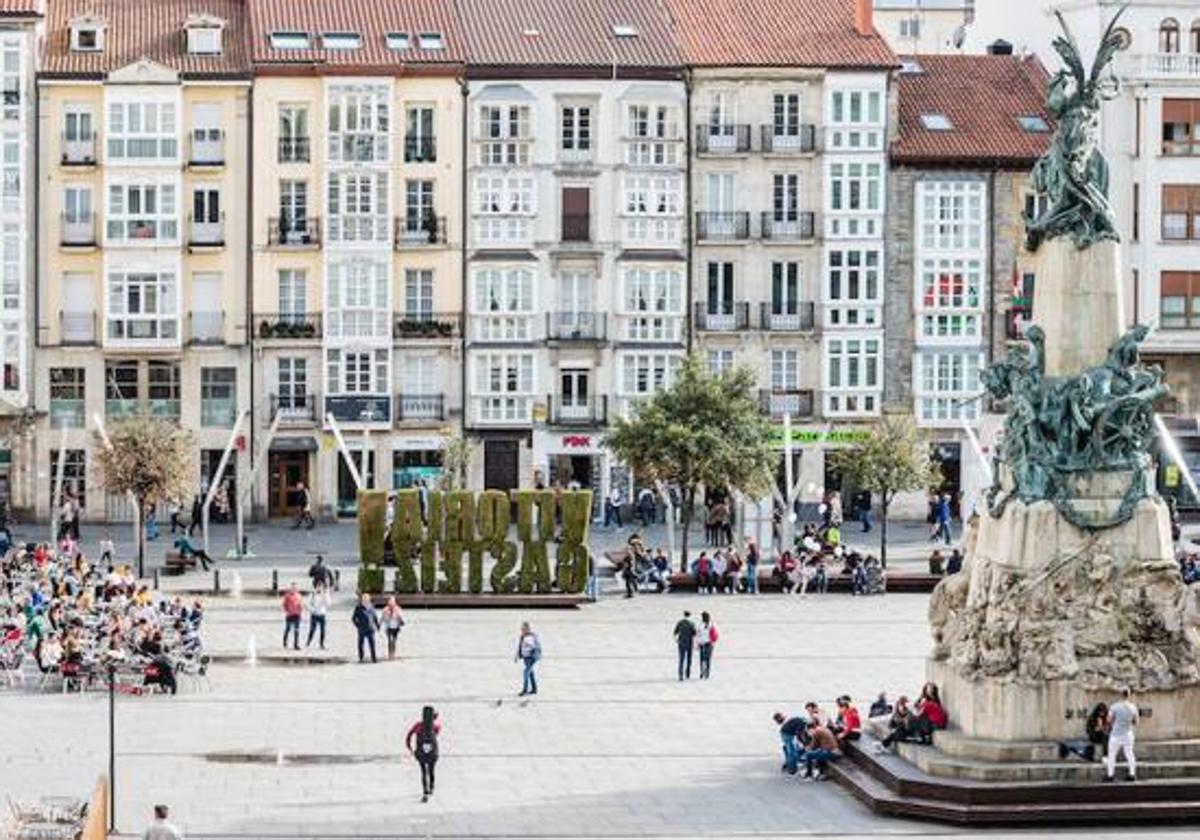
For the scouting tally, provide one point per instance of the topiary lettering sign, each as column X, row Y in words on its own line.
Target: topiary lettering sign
column 431, row 542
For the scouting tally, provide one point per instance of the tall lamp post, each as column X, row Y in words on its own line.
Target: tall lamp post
column 112, row 748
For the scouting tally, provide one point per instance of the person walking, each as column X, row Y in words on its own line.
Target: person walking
column 943, row 519
column 752, row 560
column 318, row 610
column 293, row 608
column 1122, row 718
column 529, row 652
column 320, row 574
column 197, row 515
column 162, row 828
column 864, row 510
column 176, row 524
column 422, row 744
column 393, row 620
column 685, row 634
column 612, row 508
column 304, row 505
column 366, row 622
column 706, row 640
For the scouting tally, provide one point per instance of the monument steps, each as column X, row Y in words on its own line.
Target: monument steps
column 1073, row 770
column 890, row 785
column 960, row 745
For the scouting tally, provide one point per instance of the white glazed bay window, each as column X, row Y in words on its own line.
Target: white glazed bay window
column 853, row 386
column 652, row 304
column 856, row 120
column 853, row 287
column 358, row 207
column 504, row 207
column 652, row 134
column 359, row 123
column 502, row 304
column 645, row 374
column 947, row 386
column 950, row 303
column 143, row 306
column 504, row 132
column 357, row 300
column 142, row 213
column 504, row 387
column 652, row 208
column 951, row 215
column 357, row 370
column 142, row 131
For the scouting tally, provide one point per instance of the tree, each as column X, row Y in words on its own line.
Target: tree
column 893, row 458
column 703, row 430
column 456, row 461
column 148, row 458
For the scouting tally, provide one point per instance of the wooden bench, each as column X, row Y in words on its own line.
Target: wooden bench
column 769, row 582
column 175, row 563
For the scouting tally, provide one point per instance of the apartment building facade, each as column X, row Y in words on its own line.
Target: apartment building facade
column 141, row 285
column 576, row 301
column 959, row 280
column 356, row 246
column 788, row 197
column 925, row 26
column 21, row 25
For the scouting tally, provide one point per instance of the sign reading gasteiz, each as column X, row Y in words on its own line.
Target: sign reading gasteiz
column 434, row 542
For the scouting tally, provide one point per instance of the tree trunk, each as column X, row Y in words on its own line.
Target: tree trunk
column 141, row 539
column 883, row 533
column 688, row 496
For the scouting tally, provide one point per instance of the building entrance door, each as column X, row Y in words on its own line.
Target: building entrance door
column 285, row 471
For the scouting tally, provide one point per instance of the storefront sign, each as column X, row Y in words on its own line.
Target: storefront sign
column 420, row 443
column 577, row 441
column 819, row 436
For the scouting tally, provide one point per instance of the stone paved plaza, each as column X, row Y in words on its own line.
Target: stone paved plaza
column 612, row 746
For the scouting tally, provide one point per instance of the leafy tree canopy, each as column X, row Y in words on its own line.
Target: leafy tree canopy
column 893, row 458
column 149, row 457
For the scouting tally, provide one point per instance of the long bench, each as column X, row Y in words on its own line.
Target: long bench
column 175, row 563
column 896, row 582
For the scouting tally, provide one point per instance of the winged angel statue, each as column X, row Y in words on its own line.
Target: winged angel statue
column 1073, row 173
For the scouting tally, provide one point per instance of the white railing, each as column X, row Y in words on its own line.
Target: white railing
column 1162, row 65
column 503, row 409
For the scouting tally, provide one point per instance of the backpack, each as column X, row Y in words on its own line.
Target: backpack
column 427, row 745
column 713, row 634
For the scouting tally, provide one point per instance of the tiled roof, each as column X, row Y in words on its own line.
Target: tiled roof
column 775, row 33
column 136, row 29
column 578, row 33
column 983, row 97
column 372, row 19
column 20, row 8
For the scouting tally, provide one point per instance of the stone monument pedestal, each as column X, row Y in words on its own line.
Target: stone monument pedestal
column 1078, row 302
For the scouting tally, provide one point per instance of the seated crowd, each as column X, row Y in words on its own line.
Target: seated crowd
column 79, row 620
column 817, row 740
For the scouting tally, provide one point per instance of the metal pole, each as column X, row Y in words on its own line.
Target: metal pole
column 787, row 524
column 112, row 750
column 662, row 491
column 341, row 444
column 59, row 469
column 254, row 468
column 137, row 509
column 215, row 481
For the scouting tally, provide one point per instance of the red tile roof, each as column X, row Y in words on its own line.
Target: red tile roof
column 983, row 96
column 775, row 33
column 20, row 8
column 135, row 29
column 372, row 19
column 575, row 33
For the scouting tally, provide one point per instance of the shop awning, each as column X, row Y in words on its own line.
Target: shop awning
column 294, row 444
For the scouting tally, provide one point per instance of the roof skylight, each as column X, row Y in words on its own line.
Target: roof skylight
column 936, row 122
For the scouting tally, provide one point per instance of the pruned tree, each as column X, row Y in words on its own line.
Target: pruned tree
column 456, row 462
column 893, row 458
column 148, row 458
column 702, row 431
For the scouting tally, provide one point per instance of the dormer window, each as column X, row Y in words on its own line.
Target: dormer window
column 341, row 40
column 87, row 35
column 398, row 41
column 624, row 30
column 430, row 41
column 289, row 41
column 204, row 35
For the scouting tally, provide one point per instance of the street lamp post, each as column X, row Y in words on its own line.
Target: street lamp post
column 112, row 748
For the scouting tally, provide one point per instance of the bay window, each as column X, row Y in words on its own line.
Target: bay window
column 853, row 289
column 503, row 304
column 949, row 304
column 505, row 134
column 504, row 387
column 852, row 381
column 142, row 306
column 951, row 214
column 357, row 302
column 645, row 374
column 141, row 213
column 653, row 304
column 504, row 205
column 142, row 131
column 652, row 208
column 359, row 123
column 358, row 207
column 947, row 384
column 652, row 132
column 357, row 370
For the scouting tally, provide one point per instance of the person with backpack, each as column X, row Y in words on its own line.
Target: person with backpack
column 529, row 652
column 366, row 621
column 422, row 743
column 706, row 640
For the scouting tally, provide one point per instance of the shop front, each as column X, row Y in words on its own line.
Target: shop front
column 289, row 463
column 573, row 459
column 417, row 461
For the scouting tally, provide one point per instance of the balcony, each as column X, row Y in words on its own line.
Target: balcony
column 420, row 231
column 503, row 328
column 652, row 328
column 1178, row 65
column 722, row 139
column 574, row 411
column 420, row 407
column 284, row 232
column 208, row 151
column 420, row 149
column 295, row 149
column 206, row 328
column 218, row 413
column 121, row 409
column 576, row 157
column 776, row 403
column 802, row 227
column 166, row 408
column 503, row 410
column 294, row 409
column 722, row 316
column 794, row 317
column 77, row 329
column 288, row 326
column 79, row 151
column 576, row 326
column 78, row 231
column 359, row 147
column 203, row 235
column 723, row 227
column 350, row 408
column 802, row 142
column 426, row 325
column 576, row 228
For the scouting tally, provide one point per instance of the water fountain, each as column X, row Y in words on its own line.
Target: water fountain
column 252, row 652
column 235, row 586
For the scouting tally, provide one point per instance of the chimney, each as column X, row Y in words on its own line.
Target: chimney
column 1000, row 47
column 863, row 13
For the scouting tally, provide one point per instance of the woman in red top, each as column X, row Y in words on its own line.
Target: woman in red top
column 930, row 709
column 422, row 742
column 849, row 724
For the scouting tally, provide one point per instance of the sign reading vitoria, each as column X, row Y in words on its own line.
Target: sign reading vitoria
column 445, row 542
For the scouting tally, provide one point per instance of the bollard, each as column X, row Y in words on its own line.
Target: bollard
column 337, row 580
column 274, row 581
column 245, row 545
column 216, row 581
column 157, row 587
